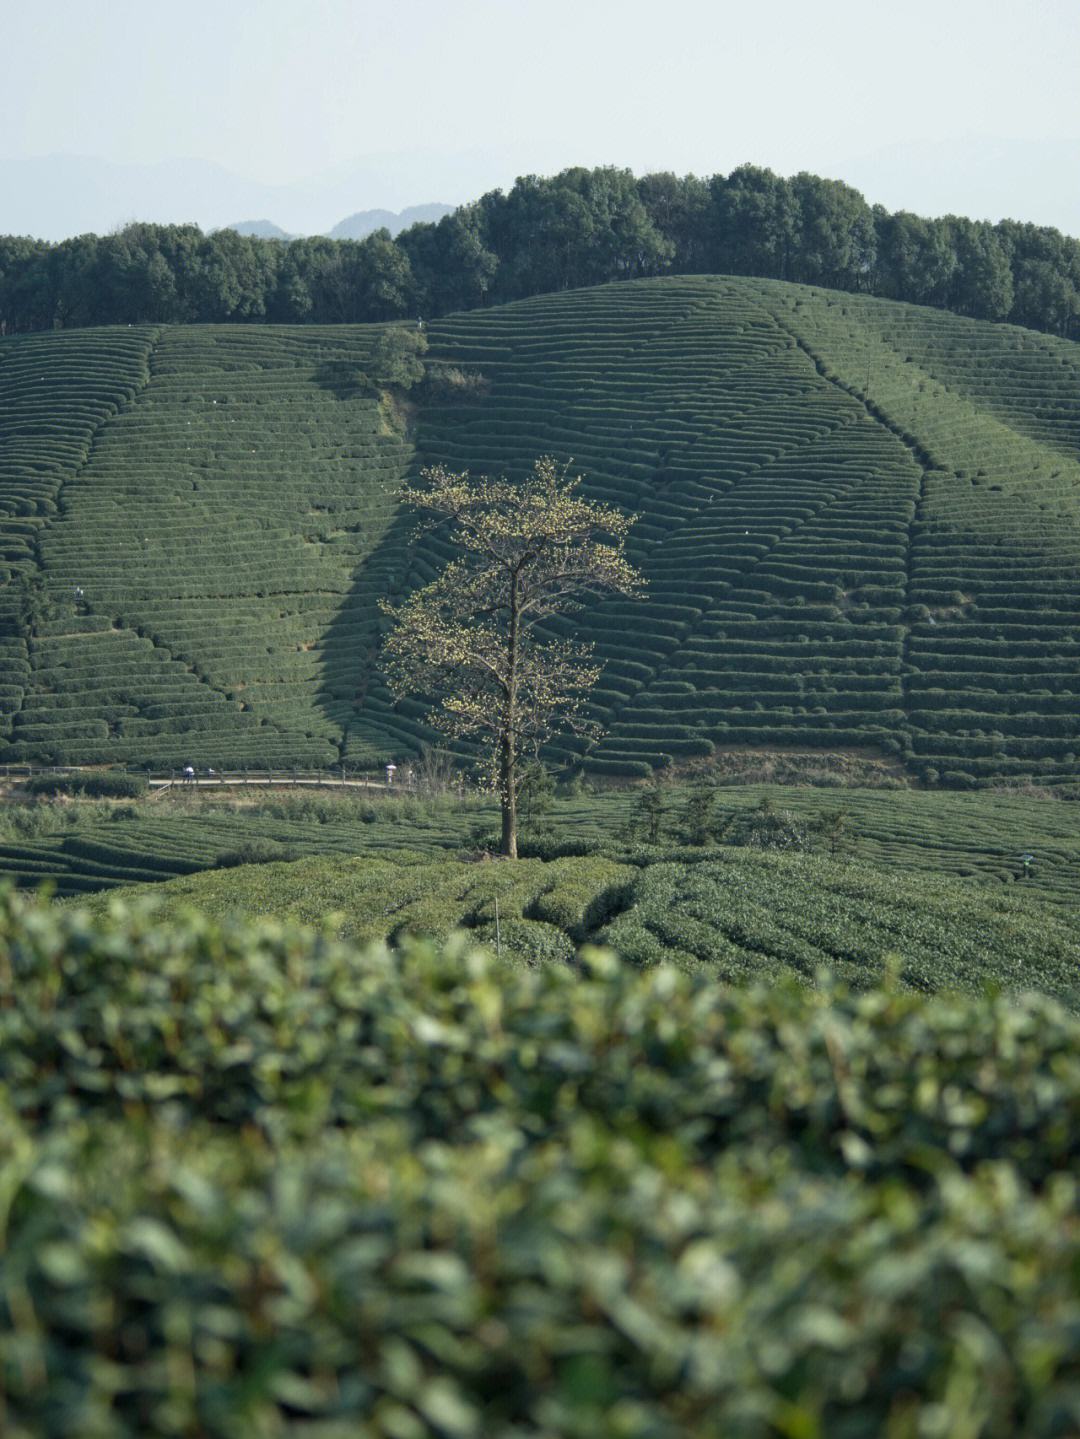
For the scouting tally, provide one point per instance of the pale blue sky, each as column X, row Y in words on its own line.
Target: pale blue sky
column 471, row 92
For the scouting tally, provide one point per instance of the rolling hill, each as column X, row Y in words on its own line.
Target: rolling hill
column 858, row 519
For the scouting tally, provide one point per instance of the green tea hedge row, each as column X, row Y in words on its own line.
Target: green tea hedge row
column 258, row 1182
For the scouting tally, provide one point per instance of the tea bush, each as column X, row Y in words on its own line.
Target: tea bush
column 738, row 913
column 254, row 851
column 257, row 1181
column 92, row 785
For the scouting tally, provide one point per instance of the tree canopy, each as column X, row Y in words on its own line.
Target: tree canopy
column 475, row 636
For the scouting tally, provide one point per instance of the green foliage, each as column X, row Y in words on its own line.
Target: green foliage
column 221, row 514
column 697, row 822
column 291, row 1187
column 975, row 837
column 406, row 893
column 536, row 792
column 525, row 941
column 397, row 358
column 255, row 851
column 33, row 603
column 741, row 913
column 580, row 227
column 447, row 384
column 100, row 785
column 767, row 827
column 834, row 831
column 647, row 816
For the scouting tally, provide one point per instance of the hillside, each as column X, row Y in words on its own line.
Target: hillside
column 218, row 496
column 859, row 524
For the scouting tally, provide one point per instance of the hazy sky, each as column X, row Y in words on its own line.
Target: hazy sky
column 281, row 90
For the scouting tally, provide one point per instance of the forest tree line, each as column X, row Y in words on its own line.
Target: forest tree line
column 581, row 227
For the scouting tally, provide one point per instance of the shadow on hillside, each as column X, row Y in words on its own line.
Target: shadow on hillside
column 350, row 691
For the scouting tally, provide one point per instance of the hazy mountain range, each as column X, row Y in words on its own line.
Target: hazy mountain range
column 55, row 196
column 353, row 227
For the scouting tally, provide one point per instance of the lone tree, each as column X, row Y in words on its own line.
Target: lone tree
column 530, row 550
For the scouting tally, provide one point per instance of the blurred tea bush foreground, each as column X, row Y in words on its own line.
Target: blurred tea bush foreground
column 258, row 1181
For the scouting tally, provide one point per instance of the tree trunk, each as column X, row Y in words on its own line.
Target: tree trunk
column 508, row 797
column 508, row 746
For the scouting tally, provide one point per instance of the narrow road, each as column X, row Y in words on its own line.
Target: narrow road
column 244, row 781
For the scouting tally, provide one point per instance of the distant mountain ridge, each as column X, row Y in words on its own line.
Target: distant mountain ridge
column 260, row 229
column 366, row 222
column 353, row 227
column 56, row 197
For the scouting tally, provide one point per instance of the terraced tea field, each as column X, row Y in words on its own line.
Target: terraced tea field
column 859, row 522
column 202, row 529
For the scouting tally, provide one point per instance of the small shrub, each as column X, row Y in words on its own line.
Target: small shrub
column 255, row 851
column 698, row 819
column 768, row 828
column 107, row 785
column 536, row 793
column 646, row 821
column 447, row 384
column 958, row 779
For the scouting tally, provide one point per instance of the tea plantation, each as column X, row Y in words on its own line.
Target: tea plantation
column 977, row 837
column 658, row 1132
column 858, row 520
column 735, row 913
column 203, row 529
column 82, row 846
column 258, row 1181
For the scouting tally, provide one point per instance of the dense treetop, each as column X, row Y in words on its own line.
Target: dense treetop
column 580, row 227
